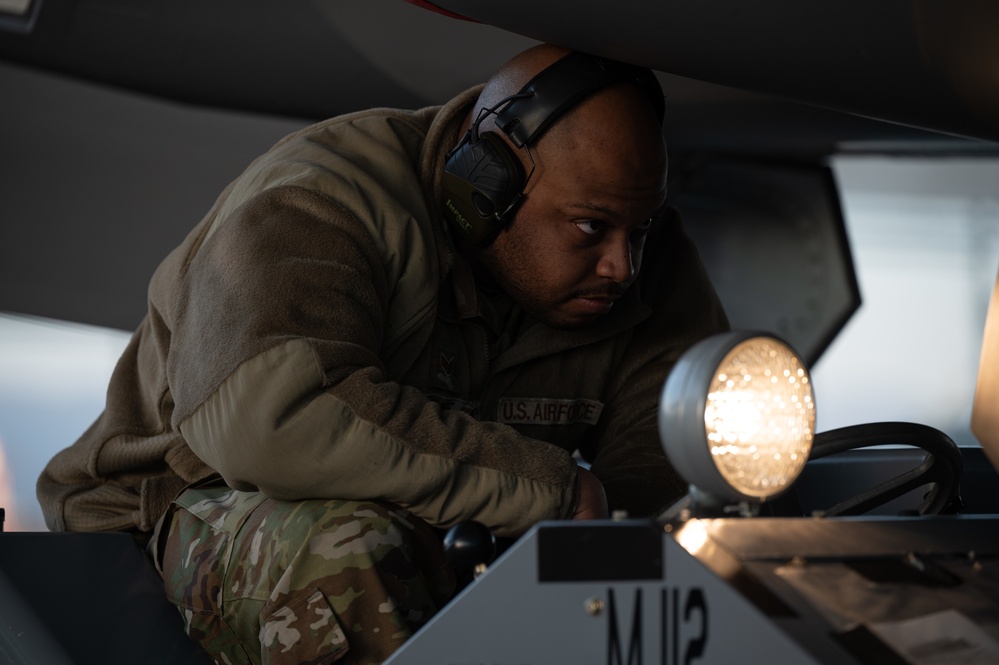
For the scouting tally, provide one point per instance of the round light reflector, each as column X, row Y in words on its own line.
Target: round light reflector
column 737, row 416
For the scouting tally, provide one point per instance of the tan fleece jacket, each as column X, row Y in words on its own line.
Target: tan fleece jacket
column 306, row 341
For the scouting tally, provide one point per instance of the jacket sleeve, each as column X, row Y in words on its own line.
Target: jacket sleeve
column 278, row 383
column 626, row 452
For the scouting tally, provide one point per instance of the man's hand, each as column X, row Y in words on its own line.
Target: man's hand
column 591, row 504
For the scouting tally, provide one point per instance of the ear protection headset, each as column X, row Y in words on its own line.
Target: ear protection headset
column 483, row 179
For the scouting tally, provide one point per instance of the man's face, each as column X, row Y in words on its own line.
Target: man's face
column 575, row 244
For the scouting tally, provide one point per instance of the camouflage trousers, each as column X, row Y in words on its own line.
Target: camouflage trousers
column 318, row 581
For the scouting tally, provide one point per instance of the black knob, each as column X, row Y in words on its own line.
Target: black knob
column 468, row 545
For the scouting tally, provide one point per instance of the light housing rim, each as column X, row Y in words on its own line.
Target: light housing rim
column 682, row 405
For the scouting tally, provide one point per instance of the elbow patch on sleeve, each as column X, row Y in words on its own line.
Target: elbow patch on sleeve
column 271, row 425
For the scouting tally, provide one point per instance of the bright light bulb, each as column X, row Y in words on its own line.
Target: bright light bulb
column 759, row 417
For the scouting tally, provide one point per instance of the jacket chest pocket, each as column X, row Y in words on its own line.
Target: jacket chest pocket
column 457, row 366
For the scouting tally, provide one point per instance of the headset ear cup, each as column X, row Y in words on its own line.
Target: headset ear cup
column 482, row 178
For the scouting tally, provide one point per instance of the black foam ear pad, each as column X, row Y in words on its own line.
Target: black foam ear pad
column 481, row 186
column 483, row 179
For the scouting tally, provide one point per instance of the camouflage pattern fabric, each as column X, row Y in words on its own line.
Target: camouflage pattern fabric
column 318, row 581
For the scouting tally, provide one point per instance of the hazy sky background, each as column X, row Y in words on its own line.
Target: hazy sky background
column 53, row 377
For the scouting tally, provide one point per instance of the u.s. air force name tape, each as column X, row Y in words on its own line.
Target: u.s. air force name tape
column 541, row 411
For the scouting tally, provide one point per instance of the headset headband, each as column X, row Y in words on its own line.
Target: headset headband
column 558, row 87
